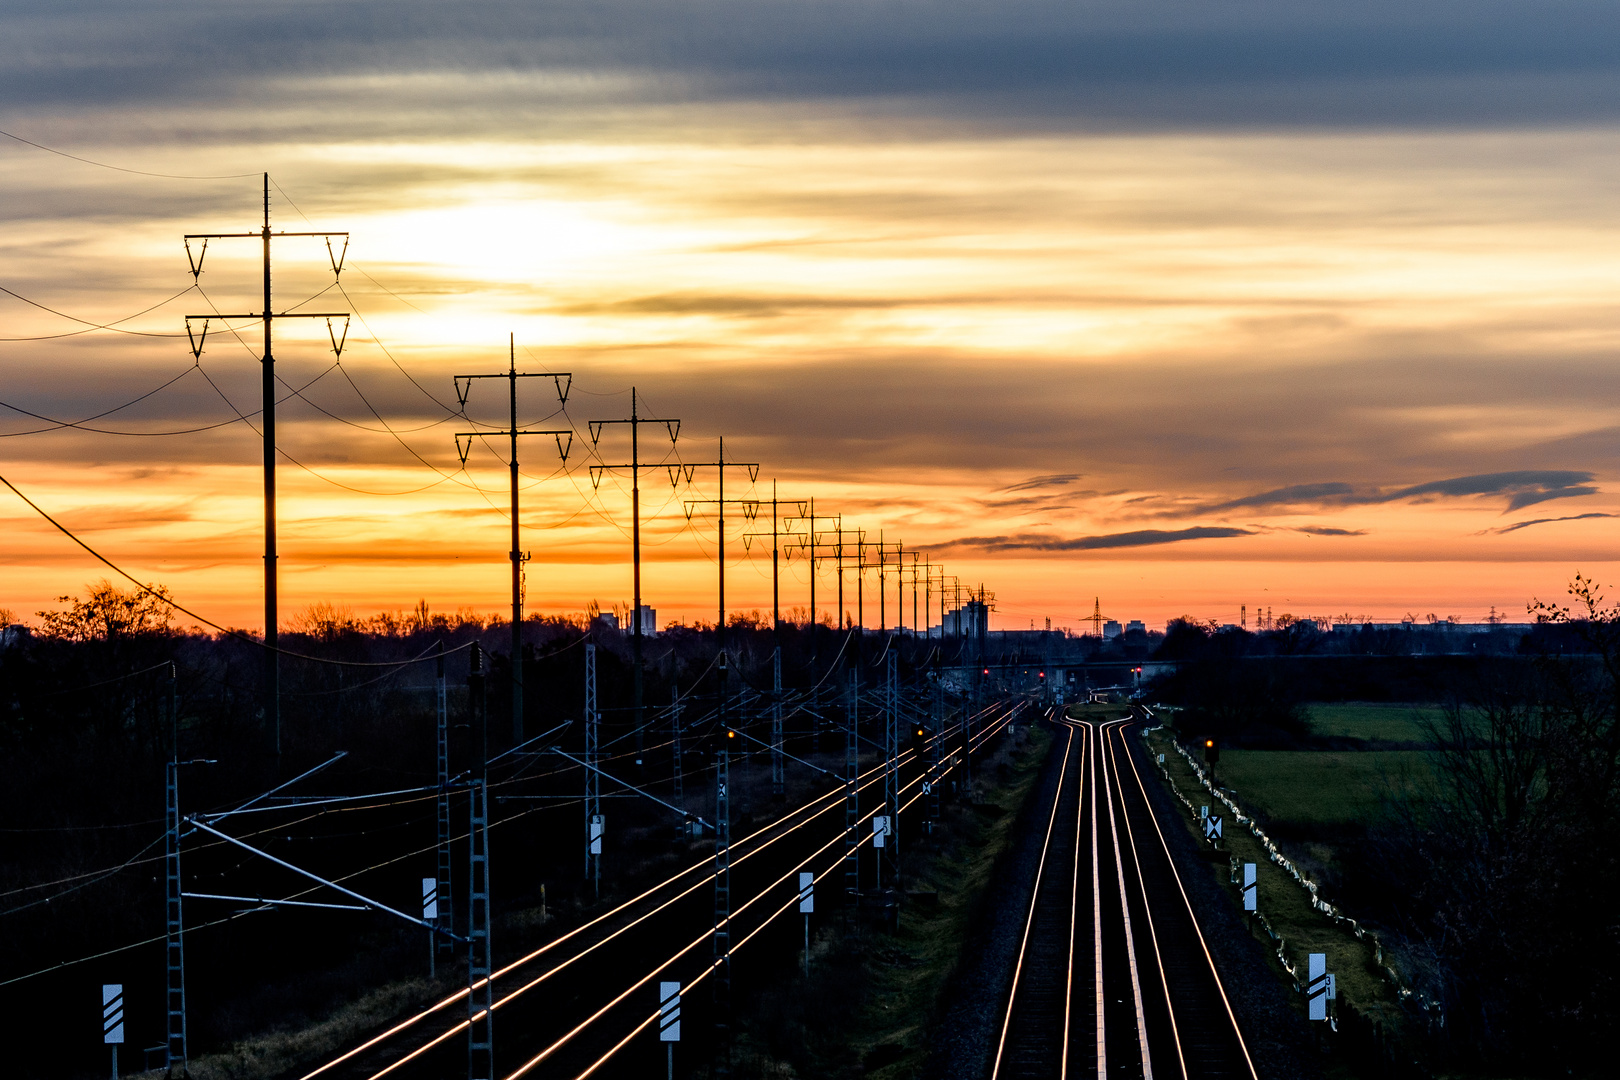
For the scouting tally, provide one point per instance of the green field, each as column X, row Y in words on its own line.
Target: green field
column 1376, row 722
column 1324, row 787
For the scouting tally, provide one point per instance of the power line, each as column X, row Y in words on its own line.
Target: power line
column 120, row 168
column 88, row 324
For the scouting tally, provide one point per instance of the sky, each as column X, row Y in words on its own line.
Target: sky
column 1165, row 307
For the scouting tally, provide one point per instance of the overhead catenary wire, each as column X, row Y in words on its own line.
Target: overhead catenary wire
column 237, row 634
column 121, row 168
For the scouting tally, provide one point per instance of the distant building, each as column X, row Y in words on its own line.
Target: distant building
column 609, row 620
column 1112, row 629
column 649, row 620
column 1136, row 624
column 967, row 620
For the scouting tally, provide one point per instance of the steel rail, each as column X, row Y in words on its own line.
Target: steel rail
column 1192, row 916
column 1029, row 919
column 1153, row 934
column 1125, row 912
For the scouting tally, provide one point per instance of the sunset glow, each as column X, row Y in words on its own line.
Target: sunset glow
column 1038, row 349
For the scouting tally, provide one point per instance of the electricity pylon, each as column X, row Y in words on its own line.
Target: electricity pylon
column 778, row 778
column 272, row 672
column 720, row 465
column 463, row 389
column 634, row 420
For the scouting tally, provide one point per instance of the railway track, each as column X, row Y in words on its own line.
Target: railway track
column 1113, row 977
column 585, row 997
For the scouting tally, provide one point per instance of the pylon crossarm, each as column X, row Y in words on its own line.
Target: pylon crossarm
column 333, row 760
column 784, row 753
column 631, row 787
column 284, row 864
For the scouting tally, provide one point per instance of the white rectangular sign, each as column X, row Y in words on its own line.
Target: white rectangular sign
column 1250, row 890
column 112, row 1012
column 1318, row 984
column 1212, row 828
column 430, row 898
column 880, row 829
column 598, row 823
column 669, row 1012
column 807, row 891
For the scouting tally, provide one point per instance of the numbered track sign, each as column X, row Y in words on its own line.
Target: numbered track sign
column 807, row 892
column 1250, row 889
column 112, row 1013
column 669, row 1012
column 430, row 899
column 880, row 830
column 598, row 824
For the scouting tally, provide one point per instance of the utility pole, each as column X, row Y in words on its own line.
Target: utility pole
column 518, row 556
column 480, row 992
column 778, row 776
column 634, row 420
column 272, row 666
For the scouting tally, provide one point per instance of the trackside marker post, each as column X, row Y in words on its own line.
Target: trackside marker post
column 1321, row 986
column 669, row 1020
column 112, row 1019
column 430, row 913
column 1250, row 889
column 807, row 904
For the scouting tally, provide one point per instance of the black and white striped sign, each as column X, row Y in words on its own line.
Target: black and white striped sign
column 598, row 825
column 112, row 1012
column 669, row 1012
column 807, row 892
column 1250, row 889
column 880, row 830
column 430, row 898
column 1321, row 986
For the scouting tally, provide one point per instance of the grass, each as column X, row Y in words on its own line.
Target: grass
column 1372, row 722
column 1285, row 904
column 868, row 1007
column 1324, row 787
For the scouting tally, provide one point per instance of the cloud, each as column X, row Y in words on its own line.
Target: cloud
column 1052, row 480
column 1525, row 486
column 1138, row 538
column 1287, row 496
column 1326, row 530
column 1517, row 525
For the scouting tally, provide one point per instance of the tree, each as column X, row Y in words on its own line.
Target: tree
column 110, row 614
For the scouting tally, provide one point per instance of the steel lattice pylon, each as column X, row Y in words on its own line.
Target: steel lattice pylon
column 480, row 999
column 852, row 811
column 778, row 781
column 443, row 944
column 593, row 784
column 891, row 763
column 675, row 739
column 175, row 1048
column 722, row 910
